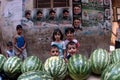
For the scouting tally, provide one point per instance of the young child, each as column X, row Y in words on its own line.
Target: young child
column 10, row 51
column 69, row 32
column 71, row 49
column 54, row 50
column 20, row 43
column 58, row 40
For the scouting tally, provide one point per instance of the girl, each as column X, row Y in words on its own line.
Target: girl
column 57, row 40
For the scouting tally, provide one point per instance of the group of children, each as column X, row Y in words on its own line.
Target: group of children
column 59, row 47
column 64, row 48
column 17, row 47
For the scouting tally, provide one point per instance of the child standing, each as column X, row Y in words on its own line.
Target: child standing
column 20, row 43
column 57, row 40
column 69, row 32
column 10, row 51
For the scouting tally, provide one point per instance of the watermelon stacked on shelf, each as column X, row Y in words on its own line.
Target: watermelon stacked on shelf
column 12, row 66
column 79, row 67
column 31, row 63
column 34, row 75
column 100, row 59
column 2, row 61
column 55, row 67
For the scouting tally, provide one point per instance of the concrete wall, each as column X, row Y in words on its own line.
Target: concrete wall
column 39, row 38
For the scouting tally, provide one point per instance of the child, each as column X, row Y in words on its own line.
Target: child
column 71, row 49
column 54, row 50
column 20, row 43
column 69, row 32
column 10, row 51
column 57, row 40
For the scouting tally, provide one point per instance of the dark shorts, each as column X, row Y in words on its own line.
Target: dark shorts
column 117, row 44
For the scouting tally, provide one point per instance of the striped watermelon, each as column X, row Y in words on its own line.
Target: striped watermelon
column 115, row 56
column 79, row 67
column 100, row 59
column 2, row 61
column 56, row 67
column 12, row 66
column 31, row 63
column 34, row 75
column 112, row 72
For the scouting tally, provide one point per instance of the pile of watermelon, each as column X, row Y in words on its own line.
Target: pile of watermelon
column 55, row 68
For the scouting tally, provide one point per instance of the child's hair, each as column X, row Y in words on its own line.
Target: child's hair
column 9, row 43
column 70, row 43
column 27, row 13
column 69, row 29
column 18, row 27
column 54, row 46
column 55, row 32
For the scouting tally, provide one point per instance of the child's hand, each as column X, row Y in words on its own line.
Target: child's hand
column 18, row 54
column 22, row 48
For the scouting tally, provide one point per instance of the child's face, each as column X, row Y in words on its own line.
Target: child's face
column 19, row 31
column 72, row 49
column 57, row 36
column 70, row 35
column 54, row 52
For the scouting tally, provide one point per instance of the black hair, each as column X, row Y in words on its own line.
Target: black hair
column 70, row 43
column 52, row 11
column 118, row 20
column 18, row 27
column 39, row 12
column 9, row 43
column 65, row 11
column 27, row 13
column 54, row 46
column 69, row 29
column 55, row 32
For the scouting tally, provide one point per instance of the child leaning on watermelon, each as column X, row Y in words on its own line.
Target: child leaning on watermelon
column 71, row 50
column 54, row 50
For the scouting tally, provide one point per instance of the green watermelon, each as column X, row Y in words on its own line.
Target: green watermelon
column 78, row 67
column 55, row 67
column 31, row 63
column 115, row 56
column 12, row 66
column 112, row 72
column 34, row 75
column 100, row 59
column 2, row 61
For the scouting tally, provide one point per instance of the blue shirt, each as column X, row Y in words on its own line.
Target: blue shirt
column 20, row 41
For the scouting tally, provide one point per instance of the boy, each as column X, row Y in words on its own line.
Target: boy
column 71, row 49
column 10, row 51
column 20, row 43
column 69, row 32
column 54, row 50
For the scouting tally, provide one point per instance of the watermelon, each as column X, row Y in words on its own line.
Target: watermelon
column 112, row 72
column 55, row 67
column 115, row 56
column 12, row 66
column 31, row 63
column 100, row 59
column 2, row 61
column 79, row 67
column 34, row 75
